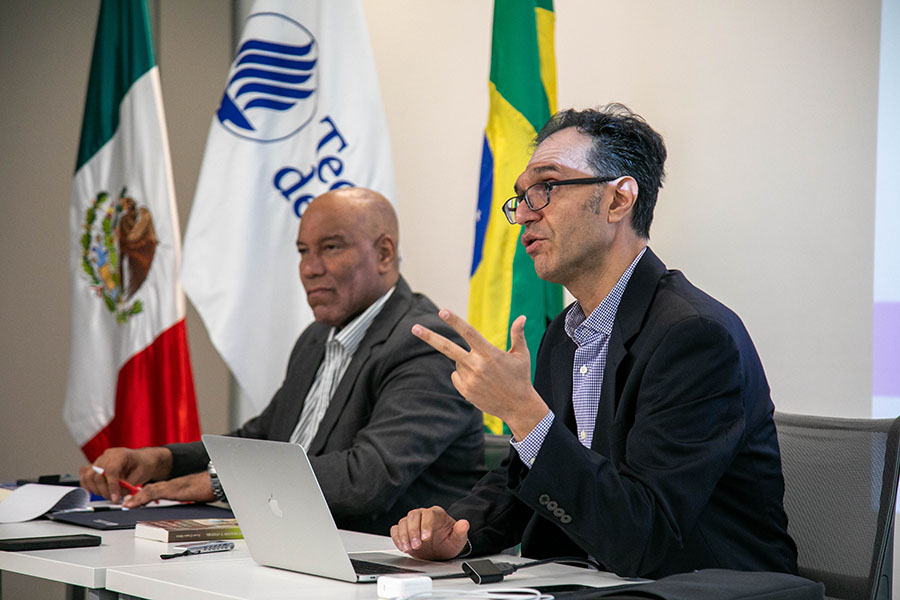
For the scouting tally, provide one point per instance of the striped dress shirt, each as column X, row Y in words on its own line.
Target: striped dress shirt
column 339, row 350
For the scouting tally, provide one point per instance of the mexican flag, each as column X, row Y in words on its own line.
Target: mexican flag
column 130, row 381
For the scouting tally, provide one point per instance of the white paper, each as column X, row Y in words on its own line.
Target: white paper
column 32, row 500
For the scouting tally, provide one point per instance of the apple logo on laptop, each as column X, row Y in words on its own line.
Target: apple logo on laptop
column 273, row 506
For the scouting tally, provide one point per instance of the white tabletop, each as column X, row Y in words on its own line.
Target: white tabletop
column 245, row 580
column 87, row 567
column 132, row 566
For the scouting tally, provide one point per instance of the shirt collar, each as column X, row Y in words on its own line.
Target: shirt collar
column 353, row 332
column 582, row 329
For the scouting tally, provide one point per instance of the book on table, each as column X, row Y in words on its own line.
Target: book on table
column 188, row 530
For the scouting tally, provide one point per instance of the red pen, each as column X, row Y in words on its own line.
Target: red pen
column 134, row 489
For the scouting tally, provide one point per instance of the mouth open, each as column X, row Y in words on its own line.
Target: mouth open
column 531, row 242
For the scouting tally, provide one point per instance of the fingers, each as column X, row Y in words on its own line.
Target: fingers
column 475, row 340
column 146, row 494
column 152, row 492
column 461, row 532
column 93, row 482
column 103, row 476
column 430, row 533
column 439, row 343
column 449, row 349
column 517, row 336
column 407, row 529
column 112, row 484
column 99, row 481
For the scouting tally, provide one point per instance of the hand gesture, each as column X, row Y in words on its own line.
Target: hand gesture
column 497, row 382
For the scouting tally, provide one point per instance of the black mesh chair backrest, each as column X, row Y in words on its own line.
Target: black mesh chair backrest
column 840, row 478
column 496, row 448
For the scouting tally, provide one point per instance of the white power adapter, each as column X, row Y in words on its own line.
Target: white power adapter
column 392, row 587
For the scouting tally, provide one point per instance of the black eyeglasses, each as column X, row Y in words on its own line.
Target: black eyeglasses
column 537, row 196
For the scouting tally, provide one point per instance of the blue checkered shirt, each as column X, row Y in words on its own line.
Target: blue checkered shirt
column 591, row 337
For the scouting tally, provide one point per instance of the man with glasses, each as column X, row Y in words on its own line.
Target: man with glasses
column 646, row 442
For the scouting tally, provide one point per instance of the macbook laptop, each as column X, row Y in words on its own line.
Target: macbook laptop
column 285, row 520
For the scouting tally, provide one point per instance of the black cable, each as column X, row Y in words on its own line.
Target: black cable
column 588, row 562
column 459, row 575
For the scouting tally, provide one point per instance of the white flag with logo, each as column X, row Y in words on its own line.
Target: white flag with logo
column 301, row 114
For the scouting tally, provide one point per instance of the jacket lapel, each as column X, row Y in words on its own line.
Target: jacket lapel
column 634, row 305
column 302, row 377
column 391, row 313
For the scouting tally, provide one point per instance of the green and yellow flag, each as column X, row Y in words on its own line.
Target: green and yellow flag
column 522, row 97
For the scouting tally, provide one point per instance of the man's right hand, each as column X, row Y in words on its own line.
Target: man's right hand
column 134, row 466
column 431, row 534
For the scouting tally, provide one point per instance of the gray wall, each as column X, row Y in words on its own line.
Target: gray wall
column 46, row 49
column 768, row 108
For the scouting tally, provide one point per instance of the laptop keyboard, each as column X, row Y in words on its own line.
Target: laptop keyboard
column 364, row 567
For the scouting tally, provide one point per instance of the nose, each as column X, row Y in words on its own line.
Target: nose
column 525, row 215
column 310, row 266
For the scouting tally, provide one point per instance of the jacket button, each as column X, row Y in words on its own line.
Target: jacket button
column 559, row 513
column 565, row 519
column 544, row 499
column 551, row 506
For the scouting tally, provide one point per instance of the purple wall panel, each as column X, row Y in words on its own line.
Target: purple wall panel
column 886, row 349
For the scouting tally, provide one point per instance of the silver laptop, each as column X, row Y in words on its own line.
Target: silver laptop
column 285, row 520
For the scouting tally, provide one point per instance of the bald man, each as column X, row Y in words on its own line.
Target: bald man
column 374, row 407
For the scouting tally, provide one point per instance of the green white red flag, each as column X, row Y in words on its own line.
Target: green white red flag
column 130, row 381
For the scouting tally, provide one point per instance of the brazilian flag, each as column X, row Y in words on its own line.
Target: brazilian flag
column 522, row 90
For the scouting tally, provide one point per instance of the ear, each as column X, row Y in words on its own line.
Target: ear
column 625, row 194
column 387, row 253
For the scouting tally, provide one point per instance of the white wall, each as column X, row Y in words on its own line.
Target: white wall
column 769, row 113
column 768, row 109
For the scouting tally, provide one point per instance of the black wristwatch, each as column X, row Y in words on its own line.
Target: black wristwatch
column 216, row 484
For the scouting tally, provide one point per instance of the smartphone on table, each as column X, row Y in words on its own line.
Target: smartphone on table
column 75, row 540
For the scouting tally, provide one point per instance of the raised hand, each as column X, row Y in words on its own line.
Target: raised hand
column 497, row 382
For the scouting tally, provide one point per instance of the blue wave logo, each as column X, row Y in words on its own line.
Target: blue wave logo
column 271, row 90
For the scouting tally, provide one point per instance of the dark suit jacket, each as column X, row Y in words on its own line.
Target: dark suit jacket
column 396, row 434
column 684, row 471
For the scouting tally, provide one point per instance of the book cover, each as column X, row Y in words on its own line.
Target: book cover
column 188, row 530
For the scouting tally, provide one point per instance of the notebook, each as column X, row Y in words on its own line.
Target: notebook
column 126, row 519
column 284, row 518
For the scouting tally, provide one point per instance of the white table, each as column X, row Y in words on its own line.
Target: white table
column 245, row 580
column 87, row 567
column 131, row 566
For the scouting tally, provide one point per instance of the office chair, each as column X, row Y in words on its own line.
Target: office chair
column 840, row 479
column 496, row 448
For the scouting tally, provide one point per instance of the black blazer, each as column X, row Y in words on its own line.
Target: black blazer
column 684, row 471
column 396, row 434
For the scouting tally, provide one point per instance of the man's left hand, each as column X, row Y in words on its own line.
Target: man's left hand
column 497, row 382
column 195, row 487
